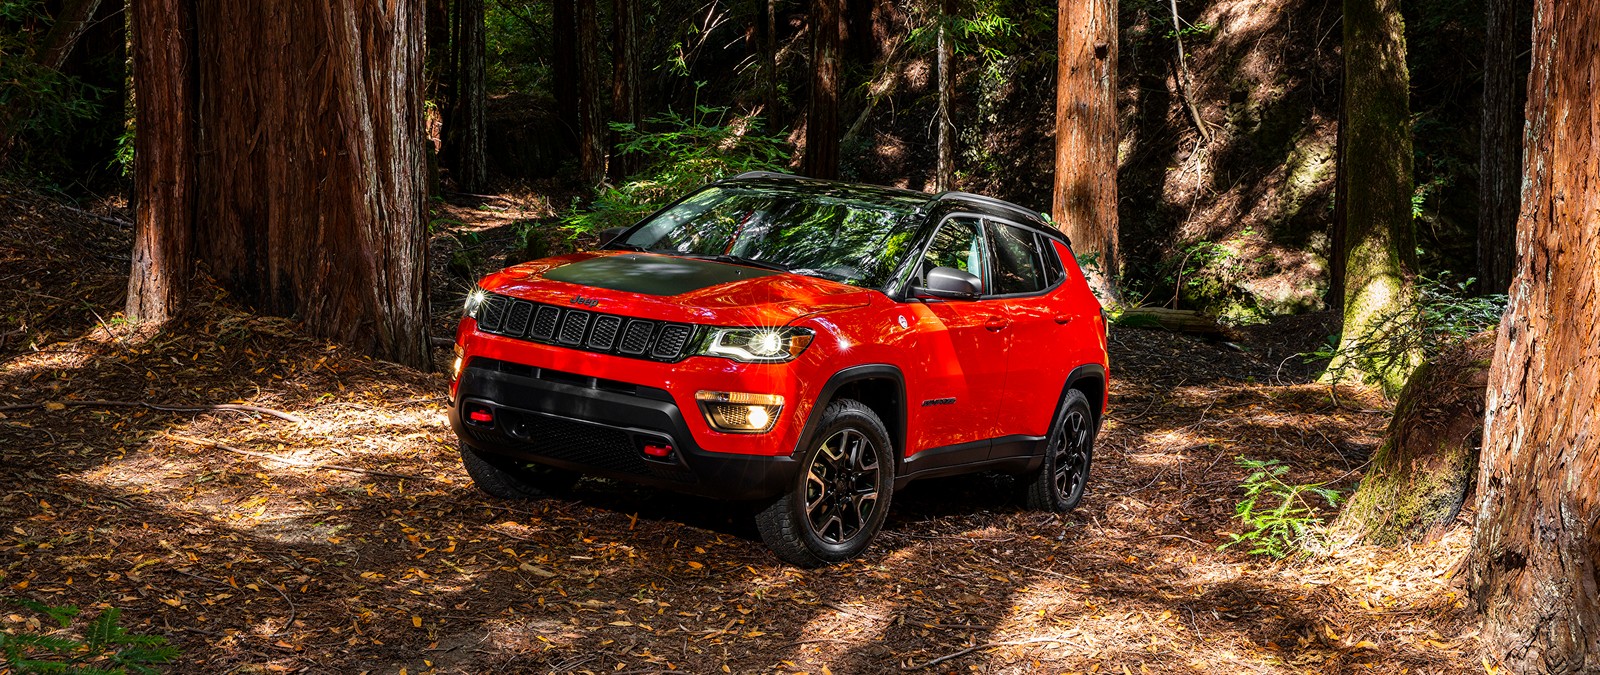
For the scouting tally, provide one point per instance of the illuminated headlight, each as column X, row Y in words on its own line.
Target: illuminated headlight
column 738, row 412
column 474, row 302
column 757, row 345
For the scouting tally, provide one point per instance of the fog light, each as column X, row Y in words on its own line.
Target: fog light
column 738, row 412
column 455, row 370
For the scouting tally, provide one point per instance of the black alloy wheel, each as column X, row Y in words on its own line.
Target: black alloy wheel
column 1062, row 478
column 841, row 495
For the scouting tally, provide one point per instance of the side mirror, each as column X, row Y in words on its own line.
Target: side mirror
column 951, row 283
column 610, row 234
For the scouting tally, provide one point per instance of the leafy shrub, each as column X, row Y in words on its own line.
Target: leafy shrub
column 1281, row 517
column 104, row 648
column 681, row 154
column 1448, row 314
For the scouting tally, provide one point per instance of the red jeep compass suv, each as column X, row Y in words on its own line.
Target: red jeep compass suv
column 809, row 345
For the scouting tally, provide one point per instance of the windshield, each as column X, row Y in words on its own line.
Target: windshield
column 837, row 235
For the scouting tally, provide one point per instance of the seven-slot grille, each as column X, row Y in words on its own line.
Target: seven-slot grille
column 582, row 329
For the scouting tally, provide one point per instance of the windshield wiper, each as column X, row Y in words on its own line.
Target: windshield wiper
column 625, row 246
column 735, row 260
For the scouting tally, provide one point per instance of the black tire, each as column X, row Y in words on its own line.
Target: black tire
column 1060, row 482
column 509, row 479
column 847, row 467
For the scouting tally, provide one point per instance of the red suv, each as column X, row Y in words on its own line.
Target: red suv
column 808, row 345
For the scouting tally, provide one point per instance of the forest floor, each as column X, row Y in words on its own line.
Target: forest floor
column 350, row 540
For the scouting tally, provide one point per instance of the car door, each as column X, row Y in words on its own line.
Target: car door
column 1024, row 277
column 965, row 348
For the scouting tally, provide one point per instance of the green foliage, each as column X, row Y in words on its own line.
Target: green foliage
column 1211, row 275
column 1449, row 314
column 681, row 154
column 1281, row 517
column 36, row 101
column 103, row 648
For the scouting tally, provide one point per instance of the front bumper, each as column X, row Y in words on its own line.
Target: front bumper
column 600, row 427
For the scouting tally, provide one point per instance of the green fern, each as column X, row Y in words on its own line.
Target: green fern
column 104, row 643
column 1280, row 516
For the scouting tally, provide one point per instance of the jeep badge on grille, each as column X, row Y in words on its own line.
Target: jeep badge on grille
column 587, row 302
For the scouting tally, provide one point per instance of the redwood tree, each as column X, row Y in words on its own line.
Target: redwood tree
column 1376, row 237
column 1499, row 148
column 624, row 83
column 1085, row 204
column 591, row 120
column 309, row 190
column 1535, row 561
column 821, row 158
column 163, row 157
column 467, row 125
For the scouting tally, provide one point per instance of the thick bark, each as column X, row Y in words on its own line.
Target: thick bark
column 1378, row 238
column 944, row 170
column 624, row 84
column 1500, row 148
column 467, row 128
column 821, row 158
column 591, row 118
column 310, row 165
column 1085, row 193
column 1418, row 479
column 164, row 189
column 1534, row 569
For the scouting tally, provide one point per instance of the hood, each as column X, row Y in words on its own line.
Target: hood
column 670, row 288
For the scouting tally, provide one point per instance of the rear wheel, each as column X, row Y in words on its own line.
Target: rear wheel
column 1059, row 483
column 509, row 479
column 841, row 496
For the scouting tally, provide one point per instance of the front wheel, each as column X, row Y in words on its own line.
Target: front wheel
column 1059, row 483
column 840, row 499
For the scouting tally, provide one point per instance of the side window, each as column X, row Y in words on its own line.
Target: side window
column 1017, row 267
column 1053, row 271
column 957, row 245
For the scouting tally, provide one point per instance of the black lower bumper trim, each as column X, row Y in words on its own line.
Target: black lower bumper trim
column 604, row 432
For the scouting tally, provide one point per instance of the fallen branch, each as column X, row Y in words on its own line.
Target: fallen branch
column 208, row 443
column 230, row 407
column 1175, row 320
column 986, row 645
column 109, row 220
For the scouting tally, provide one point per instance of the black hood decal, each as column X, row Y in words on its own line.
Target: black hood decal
column 652, row 274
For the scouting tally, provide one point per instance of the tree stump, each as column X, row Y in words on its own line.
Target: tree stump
column 1419, row 477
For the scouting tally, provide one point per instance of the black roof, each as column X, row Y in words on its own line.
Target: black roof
column 928, row 203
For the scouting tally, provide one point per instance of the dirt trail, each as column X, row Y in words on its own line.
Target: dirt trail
column 253, row 564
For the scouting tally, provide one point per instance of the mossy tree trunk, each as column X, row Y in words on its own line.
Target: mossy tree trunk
column 1378, row 239
column 1419, row 478
column 1085, row 190
column 1534, row 568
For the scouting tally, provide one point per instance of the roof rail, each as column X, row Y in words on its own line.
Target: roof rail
column 762, row 174
column 1032, row 218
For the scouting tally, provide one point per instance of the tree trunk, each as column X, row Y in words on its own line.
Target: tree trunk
column 310, row 166
column 821, row 158
column 769, row 60
column 1500, row 148
column 944, row 173
column 591, row 119
column 1085, row 204
column 464, row 145
column 1535, row 557
column 624, row 85
column 1379, row 242
column 564, row 65
column 1417, row 481
column 164, row 177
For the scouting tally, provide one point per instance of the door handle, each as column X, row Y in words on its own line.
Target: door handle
column 996, row 324
column 1064, row 319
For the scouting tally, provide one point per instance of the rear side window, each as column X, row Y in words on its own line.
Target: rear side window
column 1053, row 271
column 1018, row 267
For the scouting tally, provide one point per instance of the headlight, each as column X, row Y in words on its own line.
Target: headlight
column 474, row 302
column 739, row 412
column 757, row 345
